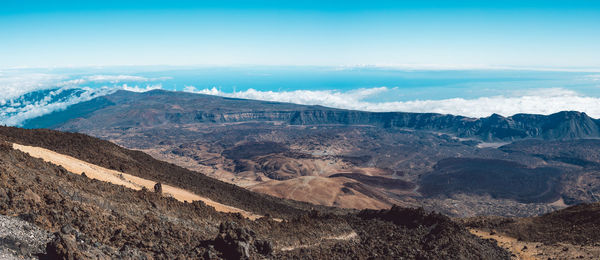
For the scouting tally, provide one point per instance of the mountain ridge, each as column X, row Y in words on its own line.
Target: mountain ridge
column 156, row 107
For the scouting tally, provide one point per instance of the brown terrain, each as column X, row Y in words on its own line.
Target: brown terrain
column 94, row 215
column 245, row 179
column 120, row 178
column 522, row 165
column 571, row 233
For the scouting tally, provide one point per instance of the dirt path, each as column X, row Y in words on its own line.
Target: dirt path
column 521, row 250
column 536, row 250
column 343, row 237
column 93, row 171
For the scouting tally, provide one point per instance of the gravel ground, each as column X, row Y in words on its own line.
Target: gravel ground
column 20, row 239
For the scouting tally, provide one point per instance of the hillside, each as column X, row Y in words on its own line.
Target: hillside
column 365, row 159
column 578, row 225
column 570, row 233
column 89, row 218
column 113, row 157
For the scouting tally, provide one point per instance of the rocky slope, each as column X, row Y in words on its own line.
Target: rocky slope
column 93, row 219
column 367, row 160
column 21, row 238
column 578, row 225
column 571, row 233
column 111, row 156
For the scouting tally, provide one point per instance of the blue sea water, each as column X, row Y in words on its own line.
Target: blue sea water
column 408, row 84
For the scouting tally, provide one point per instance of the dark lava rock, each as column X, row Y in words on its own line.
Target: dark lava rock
column 498, row 178
column 62, row 247
column 237, row 242
column 158, row 188
column 264, row 247
column 405, row 216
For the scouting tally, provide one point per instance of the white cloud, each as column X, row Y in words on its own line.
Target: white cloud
column 538, row 101
column 111, row 79
column 115, row 78
column 140, row 89
column 122, row 78
column 16, row 84
column 18, row 112
column 593, row 77
column 193, row 89
column 307, row 97
column 14, row 109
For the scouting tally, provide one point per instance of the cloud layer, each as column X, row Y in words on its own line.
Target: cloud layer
column 538, row 101
column 34, row 104
column 26, row 95
column 14, row 83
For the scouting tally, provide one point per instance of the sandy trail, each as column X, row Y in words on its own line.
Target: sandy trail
column 93, row 171
column 343, row 237
column 536, row 250
column 520, row 249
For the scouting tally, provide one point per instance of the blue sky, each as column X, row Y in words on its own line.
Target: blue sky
column 441, row 34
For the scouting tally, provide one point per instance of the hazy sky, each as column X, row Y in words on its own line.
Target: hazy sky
column 556, row 34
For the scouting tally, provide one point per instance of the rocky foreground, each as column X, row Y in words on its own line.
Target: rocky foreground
column 75, row 217
column 21, row 238
column 47, row 212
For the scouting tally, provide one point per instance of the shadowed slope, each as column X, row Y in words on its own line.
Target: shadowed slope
column 500, row 179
